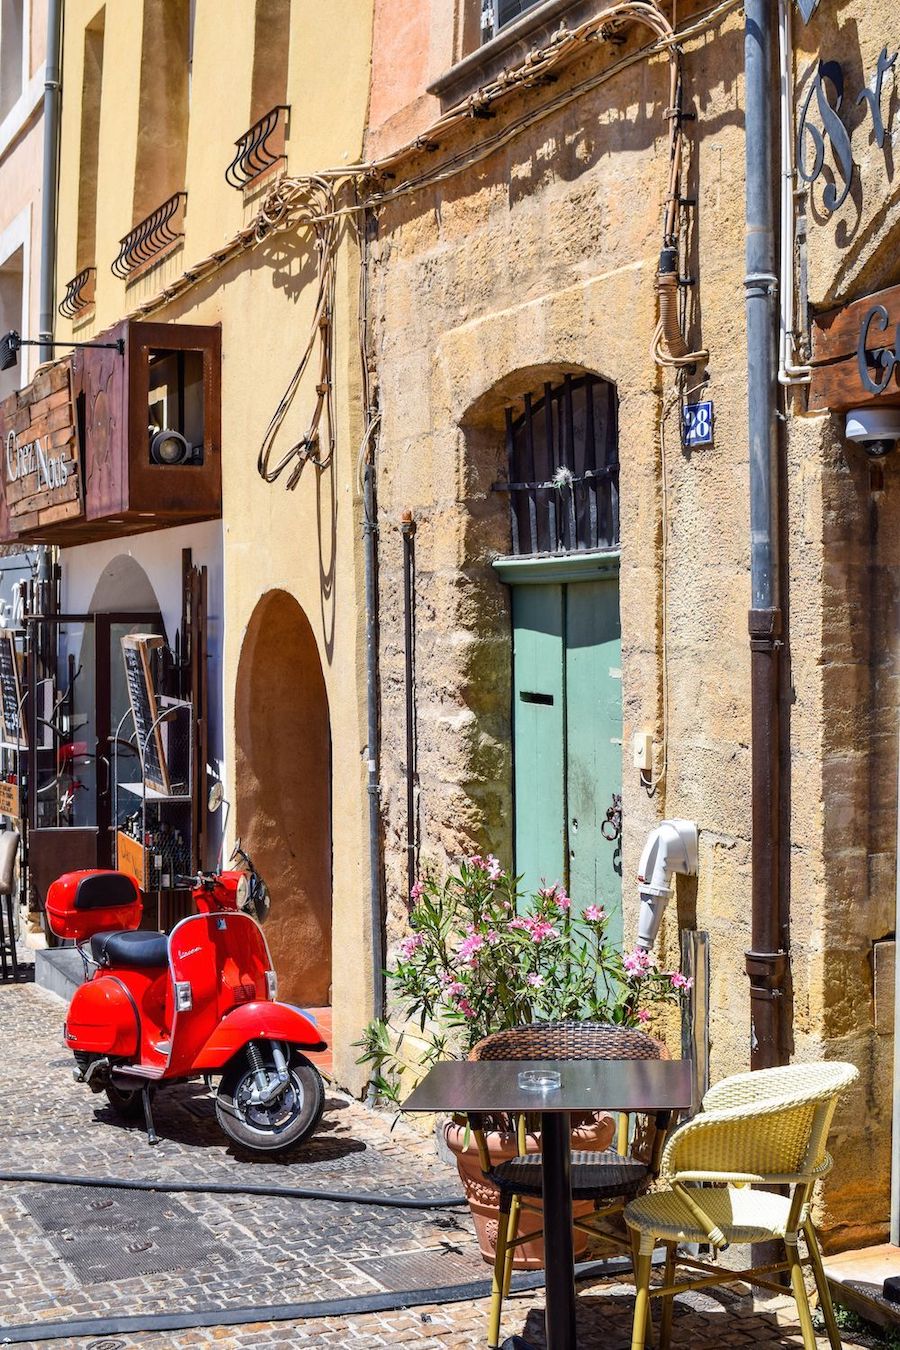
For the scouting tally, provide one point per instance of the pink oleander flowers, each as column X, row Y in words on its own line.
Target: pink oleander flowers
column 481, row 956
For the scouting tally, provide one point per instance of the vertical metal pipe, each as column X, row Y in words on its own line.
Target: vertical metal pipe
column 370, row 536
column 895, row 1119
column 50, row 177
column 408, row 531
column 766, row 961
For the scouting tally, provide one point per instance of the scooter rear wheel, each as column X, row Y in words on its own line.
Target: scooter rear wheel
column 286, row 1122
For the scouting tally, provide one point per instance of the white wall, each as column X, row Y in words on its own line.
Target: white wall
column 159, row 554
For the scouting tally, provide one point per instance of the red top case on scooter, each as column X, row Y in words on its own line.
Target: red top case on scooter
column 80, row 904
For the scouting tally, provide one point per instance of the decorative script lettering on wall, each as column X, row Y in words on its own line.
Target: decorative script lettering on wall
column 41, row 461
column 821, row 127
column 142, row 696
column 10, row 691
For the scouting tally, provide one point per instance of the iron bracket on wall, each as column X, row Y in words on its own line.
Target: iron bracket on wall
column 151, row 239
column 79, row 294
column 260, row 148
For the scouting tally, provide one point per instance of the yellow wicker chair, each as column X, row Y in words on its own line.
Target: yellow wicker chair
column 765, row 1128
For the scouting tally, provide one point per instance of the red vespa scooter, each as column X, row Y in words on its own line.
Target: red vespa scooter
column 200, row 1002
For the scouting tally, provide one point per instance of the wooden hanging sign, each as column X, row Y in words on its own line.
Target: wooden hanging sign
column 856, row 354
column 136, row 651
column 41, row 464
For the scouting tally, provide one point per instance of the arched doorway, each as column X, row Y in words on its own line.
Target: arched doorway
column 283, row 790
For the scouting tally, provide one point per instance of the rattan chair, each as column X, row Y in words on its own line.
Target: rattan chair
column 766, row 1128
column 608, row 1179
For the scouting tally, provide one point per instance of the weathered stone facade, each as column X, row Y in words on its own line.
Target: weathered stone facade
column 538, row 258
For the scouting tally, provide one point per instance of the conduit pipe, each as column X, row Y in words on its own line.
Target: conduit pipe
column 788, row 373
column 766, row 961
column 670, row 848
column 895, row 1117
column 50, row 177
column 376, row 908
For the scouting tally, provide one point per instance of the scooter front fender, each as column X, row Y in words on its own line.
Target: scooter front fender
column 258, row 1022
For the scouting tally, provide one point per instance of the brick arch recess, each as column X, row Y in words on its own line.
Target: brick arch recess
column 283, row 790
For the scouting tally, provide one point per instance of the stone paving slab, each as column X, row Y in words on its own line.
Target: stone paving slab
column 254, row 1250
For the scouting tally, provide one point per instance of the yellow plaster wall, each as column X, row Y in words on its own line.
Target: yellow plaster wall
column 304, row 542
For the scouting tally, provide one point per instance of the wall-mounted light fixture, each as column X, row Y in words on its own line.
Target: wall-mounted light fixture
column 876, row 429
column 11, row 342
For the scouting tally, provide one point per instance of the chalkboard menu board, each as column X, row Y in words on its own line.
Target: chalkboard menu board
column 10, row 691
column 142, row 695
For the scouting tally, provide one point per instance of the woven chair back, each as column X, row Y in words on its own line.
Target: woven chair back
column 567, row 1040
column 770, row 1124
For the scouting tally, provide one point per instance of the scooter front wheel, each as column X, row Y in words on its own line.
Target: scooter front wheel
column 279, row 1124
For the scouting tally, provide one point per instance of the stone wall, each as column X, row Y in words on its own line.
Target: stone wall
column 539, row 259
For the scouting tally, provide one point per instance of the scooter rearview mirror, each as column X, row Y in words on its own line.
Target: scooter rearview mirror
column 216, row 797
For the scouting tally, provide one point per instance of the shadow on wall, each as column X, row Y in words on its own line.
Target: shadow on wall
column 283, row 790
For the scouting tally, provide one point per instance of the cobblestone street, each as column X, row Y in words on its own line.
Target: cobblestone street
column 69, row 1253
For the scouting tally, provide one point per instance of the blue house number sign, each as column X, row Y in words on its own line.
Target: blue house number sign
column 697, row 424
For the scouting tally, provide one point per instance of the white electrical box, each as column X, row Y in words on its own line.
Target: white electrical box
column 643, row 751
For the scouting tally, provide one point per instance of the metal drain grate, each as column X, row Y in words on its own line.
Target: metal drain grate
column 103, row 1236
column 428, row 1269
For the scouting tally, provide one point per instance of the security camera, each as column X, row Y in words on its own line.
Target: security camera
column 877, row 429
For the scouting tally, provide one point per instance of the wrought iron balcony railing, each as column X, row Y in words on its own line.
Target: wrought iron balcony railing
column 79, row 294
column 260, row 148
column 151, row 239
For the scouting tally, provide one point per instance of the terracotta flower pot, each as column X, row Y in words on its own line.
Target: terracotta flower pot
column 594, row 1132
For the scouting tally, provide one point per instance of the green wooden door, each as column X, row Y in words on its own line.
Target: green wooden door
column 567, row 737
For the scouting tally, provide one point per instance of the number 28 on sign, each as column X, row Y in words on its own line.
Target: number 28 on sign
column 697, row 424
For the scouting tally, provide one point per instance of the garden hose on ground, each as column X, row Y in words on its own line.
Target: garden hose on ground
column 227, row 1188
column 289, row 1312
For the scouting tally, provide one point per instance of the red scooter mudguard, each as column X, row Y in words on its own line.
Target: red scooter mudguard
column 102, row 1019
column 260, row 1021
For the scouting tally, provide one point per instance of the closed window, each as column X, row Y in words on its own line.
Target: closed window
column 563, row 467
column 496, row 14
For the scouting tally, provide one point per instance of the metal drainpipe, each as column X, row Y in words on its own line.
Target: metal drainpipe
column 408, row 530
column 895, row 1116
column 52, row 102
column 766, row 961
column 370, row 536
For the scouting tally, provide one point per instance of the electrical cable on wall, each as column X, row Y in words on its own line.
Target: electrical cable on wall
column 307, row 450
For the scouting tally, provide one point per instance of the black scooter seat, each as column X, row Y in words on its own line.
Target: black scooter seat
column 130, row 949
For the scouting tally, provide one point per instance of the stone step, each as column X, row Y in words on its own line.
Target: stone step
column 857, row 1278
column 58, row 969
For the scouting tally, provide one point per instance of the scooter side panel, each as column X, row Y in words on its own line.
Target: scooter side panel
column 223, row 958
column 102, row 1019
column 258, row 1021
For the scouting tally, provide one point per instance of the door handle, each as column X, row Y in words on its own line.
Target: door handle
column 104, row 791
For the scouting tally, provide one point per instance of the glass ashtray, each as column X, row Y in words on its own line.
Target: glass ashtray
column 539, row 1080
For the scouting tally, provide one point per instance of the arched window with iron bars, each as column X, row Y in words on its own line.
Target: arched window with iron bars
column 563, row 468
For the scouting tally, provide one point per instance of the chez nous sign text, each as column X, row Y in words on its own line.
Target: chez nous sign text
column 40, row 459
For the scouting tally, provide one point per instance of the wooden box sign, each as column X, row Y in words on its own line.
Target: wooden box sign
column 9, row 800
column 41, row 463
column 856, row 354
column 148, row 426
